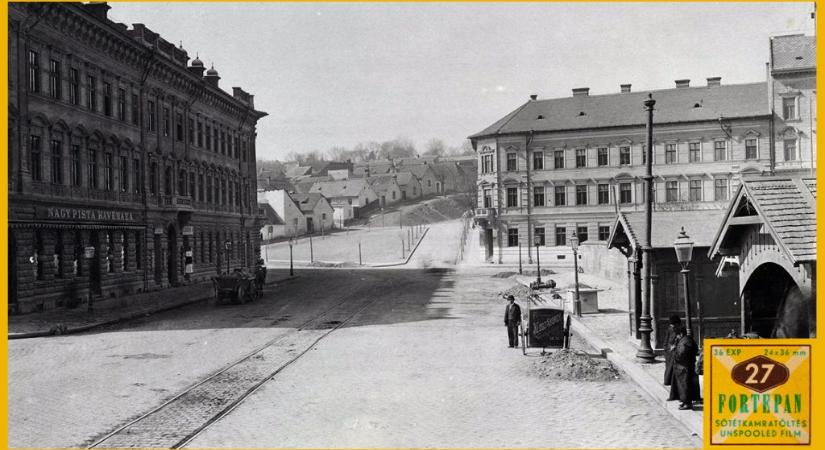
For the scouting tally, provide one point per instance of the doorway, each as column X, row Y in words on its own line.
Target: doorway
column 310, row 226
column 488, row 243
column 172, row 255
column 94, row 267
column 776, row 306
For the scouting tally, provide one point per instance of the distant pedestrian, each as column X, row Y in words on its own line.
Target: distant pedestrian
column 512, row 320
column 670, row 344
column 684, row 382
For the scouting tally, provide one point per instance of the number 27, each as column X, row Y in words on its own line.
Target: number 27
column 754, row 369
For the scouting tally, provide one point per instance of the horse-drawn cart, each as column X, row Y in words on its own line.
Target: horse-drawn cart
column 239, row 286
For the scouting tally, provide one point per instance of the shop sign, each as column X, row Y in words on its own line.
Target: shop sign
column 84, row 214
column 546, row 328
column 760, row 394
column 89, row 252
column 188, row 230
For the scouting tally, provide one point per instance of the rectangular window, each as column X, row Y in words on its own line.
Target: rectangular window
column 558, row 159
column 512, row 237
column 124, row 174
column 34, row 71
column 54, row 79
column 790, row 149
column 179, row 127
column 789, row 108
column 720, row 189
column 581, row 194
column 138, row 250
column 124, row 252
column 604, row 194
column 74, row 86
column 200, row 187
column 512, row 164
column 91, row 168
column 191, row 191
column 512, row 197
column 107, row 99
column 154, row 182
column 581, row 157
column 91, row 93
column 486, row 163
column 602, row 156
column 538, row 196
column 137, row 177
column 488, row 198
column 223, row 142
column 561, row 196
column 750, row 149
column 191, row 131
column 75, row 166
column 625, row 193
column 694, row 152
column 672, row 191
column 150, row 111
column 36, row 161
column 604, row 232
column 695, row 194
column 670, row 153
column 581, row 232
column 561, row 236
column 209, row 189
column 167, row 125
column 538, row 160
column 539, row 236
column 121, row 104
column 720, row 150
column 644, row 154
column 108, row 172
column 624, row 156
column 135, row 110
column 57, row 162
column 208, row 137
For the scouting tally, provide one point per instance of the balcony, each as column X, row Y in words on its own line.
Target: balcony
column 485, row 212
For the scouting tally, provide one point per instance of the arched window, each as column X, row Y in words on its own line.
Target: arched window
column 57, row 159
column 168, row 181
column 181, row 182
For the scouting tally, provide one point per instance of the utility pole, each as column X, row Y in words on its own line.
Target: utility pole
column 645, row 352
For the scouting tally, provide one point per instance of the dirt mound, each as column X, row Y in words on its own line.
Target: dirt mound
column 520, row 292
column 504, row 274
column 575, row 366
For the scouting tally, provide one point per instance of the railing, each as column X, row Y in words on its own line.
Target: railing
column 485, row 212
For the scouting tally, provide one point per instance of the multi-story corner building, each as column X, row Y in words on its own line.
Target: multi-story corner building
column 130, row 169
column 567, row 165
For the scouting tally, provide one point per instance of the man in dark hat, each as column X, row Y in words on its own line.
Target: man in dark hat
column 512, row 319
column 670, row 344
column 684, row 381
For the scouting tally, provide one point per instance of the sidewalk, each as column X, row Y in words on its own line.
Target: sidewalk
column 65, row 321
column 609, row 331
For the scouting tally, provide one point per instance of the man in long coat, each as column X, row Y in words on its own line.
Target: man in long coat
column 512, row 319
column 670, row 345
column 684, row 382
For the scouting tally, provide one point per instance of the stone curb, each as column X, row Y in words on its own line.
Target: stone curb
column 60, row 329
column 423, row 235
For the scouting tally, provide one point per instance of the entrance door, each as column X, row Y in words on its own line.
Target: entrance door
column 94, row 267
column 488, row 242
column 310, row 226
column 172, row 255
column 158, row 259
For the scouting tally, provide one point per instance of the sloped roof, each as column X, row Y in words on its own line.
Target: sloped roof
column 306, row 202
column 626, row 109
column 272, row 217
column 793, row 52
column 447, row 170
column 382, row 183
column 417, row 160
column 401, row 178
column 418, row 170
column 786, row 207
column 341, row 188
column 698, row 224
column 298, row 171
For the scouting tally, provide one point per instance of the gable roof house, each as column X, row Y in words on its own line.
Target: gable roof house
column 387, row 189
column 768, row 242
column 427, row 178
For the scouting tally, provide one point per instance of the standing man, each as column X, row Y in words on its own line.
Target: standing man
column 670, row 344
column 512, row 319
column 684, row 382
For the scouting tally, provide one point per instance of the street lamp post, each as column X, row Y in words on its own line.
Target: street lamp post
column 645, row 352
column 684, row 252
column 538, row 242
column 574, row 244
column 291, row 243
column 227, row 246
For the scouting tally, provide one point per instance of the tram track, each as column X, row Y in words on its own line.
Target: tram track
column 180, row 419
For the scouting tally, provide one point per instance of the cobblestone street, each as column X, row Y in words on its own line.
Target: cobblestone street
column 402, row 357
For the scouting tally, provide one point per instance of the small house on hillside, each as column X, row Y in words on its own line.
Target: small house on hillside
column 387, row 189
column 318, row 213
column 427, row 178
column 347, row 197
column 718, row 297
column 273, row 224
column 286, row 210
column 767, row 242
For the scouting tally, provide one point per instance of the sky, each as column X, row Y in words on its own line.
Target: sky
column 336, row 74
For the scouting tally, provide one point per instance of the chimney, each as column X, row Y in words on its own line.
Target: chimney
column 682, row 83
column 625, row 88
column 714, row 81
column 533, row 96
column 577, row 92
column 97, row 9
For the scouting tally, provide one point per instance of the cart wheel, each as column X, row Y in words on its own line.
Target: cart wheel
column 241, row 292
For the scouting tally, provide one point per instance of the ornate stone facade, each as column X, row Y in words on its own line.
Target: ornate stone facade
column 125, row 163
